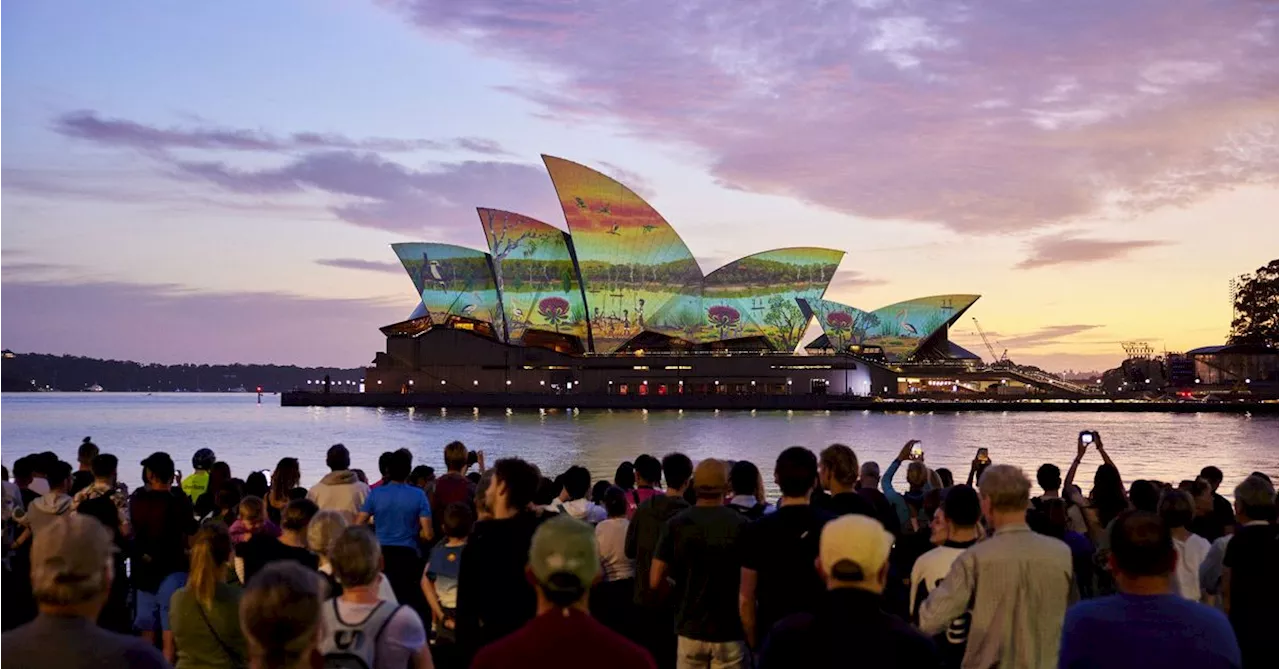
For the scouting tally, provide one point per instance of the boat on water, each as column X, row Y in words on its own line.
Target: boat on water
column 95, row 388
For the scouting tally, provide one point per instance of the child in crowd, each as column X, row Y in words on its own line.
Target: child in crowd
column 440, row 578
column 252, row 520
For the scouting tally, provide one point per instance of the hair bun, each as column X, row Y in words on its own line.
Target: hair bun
column 86, row 440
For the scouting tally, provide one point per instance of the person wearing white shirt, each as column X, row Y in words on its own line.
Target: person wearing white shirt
column 953, row 529
column 1176, row 511
column 573, row 500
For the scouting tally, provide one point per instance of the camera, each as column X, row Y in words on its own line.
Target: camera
column 1086, row 437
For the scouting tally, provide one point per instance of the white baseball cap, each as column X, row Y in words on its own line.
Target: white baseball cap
column 854, row 548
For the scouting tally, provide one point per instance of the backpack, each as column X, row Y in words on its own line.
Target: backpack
column 751, row 513
column 354, row 645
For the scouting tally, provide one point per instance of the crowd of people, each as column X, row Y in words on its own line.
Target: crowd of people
column 670, row 563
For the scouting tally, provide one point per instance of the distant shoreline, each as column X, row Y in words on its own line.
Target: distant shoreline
column 750, row 402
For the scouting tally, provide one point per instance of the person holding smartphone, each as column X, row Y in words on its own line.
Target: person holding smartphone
column 917, row 480
column 1108, row 497
column 981, row 460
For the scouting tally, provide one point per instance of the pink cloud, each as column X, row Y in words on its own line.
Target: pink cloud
column 386, row 195
column 363, row 265
column 89, row 125
column 985, row 117
column 1064, row 249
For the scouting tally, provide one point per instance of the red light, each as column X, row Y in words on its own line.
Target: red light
column 259, row 388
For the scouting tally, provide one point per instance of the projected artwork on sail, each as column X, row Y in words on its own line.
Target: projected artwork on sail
column 632, row 261
column 844, row 325
column 754, row 296
column 904, row 326
column 452, row 280
column 534, row 273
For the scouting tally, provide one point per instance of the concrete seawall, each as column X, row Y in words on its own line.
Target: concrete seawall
column 746, row 402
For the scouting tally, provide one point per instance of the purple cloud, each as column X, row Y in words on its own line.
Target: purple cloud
column 1045, row 336
column 984, row 117
column 188, row 326
column 852, row 280
column 386, row 195
column 88, row 125
column 1064, row 249
column 360, row 264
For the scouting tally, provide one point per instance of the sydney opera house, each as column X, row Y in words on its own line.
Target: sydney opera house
column 618, row 305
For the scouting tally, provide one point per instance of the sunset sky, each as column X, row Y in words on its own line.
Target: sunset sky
column 220, row 181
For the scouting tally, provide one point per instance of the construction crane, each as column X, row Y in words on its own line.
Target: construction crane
column 999, row 359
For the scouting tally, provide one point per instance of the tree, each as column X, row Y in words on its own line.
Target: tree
column 786, row 317
column 1255, row 307
column 863, row 324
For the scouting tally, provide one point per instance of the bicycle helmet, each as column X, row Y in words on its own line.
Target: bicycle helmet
column 203, row 459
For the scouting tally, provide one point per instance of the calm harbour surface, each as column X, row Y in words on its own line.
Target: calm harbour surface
column 252, row 436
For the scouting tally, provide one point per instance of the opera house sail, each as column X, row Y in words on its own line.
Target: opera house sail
column 621, row 280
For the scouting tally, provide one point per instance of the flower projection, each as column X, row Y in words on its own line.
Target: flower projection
column 555, row 310
column 724, row 317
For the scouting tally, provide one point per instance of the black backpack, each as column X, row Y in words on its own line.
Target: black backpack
column 752, row 513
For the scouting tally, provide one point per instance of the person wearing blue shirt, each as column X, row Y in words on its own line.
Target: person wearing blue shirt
column 1148, row 624
column 401, row 517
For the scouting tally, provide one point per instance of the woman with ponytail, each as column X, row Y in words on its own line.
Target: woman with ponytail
column 204, row 615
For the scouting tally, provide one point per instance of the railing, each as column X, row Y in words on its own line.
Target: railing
column 1059, row 382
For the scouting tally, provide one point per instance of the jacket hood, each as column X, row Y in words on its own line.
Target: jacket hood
column 53, row 503
column 340, row 477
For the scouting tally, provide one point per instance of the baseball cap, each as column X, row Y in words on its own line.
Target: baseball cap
column 156, row 459
column 563, row 555
column 854, row 548
column 710, row 477
column 68, row 557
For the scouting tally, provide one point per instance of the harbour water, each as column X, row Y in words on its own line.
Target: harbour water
column 248, row 435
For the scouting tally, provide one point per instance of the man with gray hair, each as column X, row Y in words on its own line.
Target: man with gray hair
column 359, row 625
column 1016, row 585
column 71, row 573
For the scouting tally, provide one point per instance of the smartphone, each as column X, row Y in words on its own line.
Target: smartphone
column 1086, row 437
column 916, row 451
column 983, row 457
